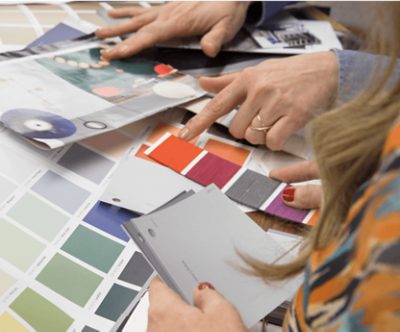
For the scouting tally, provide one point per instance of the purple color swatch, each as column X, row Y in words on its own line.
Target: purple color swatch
column 109, row 219
column 213, row 169
column 280, row 209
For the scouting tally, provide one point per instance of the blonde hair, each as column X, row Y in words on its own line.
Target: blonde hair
column 347, row 143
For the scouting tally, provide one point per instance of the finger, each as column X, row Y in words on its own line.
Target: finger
column 303, row 197
column 280, row 132
column 120, row 29
column 206, row 298
column 133, row 45
column 212, row 41
column 126, row 11
column 216, row 84
column 255, row 136
column 302, row 171
column 221, row 104
column 162, row 296
column 244, row 117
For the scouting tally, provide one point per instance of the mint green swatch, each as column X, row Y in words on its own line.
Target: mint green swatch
column 38, row 216
column 69, row 279
column 39, row 313
column 17, row 247
column 93, row 248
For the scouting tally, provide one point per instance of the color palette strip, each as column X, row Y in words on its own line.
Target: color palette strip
column 239, row 183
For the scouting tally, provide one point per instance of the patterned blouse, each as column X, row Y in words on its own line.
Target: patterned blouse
column 354, row 283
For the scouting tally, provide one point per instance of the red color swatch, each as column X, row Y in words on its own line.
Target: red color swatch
column 213, row 169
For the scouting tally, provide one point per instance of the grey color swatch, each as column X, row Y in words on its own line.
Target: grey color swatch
column 89, row 329
column 137, row 271
column 252, row 189
column 86, row 163
column 6, row 188
column 60, row 191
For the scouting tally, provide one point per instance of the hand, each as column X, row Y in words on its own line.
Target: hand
column 211, row 313
column 216, row 22
column 305, row 196
column 283, row 94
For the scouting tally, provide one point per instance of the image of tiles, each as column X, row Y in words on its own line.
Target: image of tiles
column 36, row 220
column 238, row 183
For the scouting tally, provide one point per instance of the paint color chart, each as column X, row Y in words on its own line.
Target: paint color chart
column 241, row 184
column 23, row 23
column 65, row 261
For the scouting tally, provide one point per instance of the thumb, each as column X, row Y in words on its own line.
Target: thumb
column 206, row 298
column 303, row 197
column 212, row 41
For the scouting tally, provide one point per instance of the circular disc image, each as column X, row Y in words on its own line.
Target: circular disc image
column 173, row 90
column 38, row 124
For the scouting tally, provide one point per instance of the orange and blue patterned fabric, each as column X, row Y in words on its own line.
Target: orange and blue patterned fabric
column 353, row 284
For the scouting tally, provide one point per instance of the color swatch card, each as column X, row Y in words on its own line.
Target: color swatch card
column 239, row 183
column 142, row 186
column 65, row 92
column 192, row 241
column 65, row 261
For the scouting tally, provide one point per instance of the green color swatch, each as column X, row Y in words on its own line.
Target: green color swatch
column 17, row 247
column 41, row 314
column 69, row 279
column 93, row 248
column 38, row 216
column 115, row 302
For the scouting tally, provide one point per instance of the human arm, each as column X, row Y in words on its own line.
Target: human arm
column 284, row 94
column 356, row 71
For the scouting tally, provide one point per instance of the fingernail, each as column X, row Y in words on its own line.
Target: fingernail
column 288, row 194
column 204, row 285
column 184, row 133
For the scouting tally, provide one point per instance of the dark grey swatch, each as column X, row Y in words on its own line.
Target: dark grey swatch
column 60, row 191
column 252, row 189
column 116, row 302
column 89, row 329
column 86, row 163
column 137, row 271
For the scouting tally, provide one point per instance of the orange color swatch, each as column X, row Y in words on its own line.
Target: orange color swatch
column 140, row 153
column 314, row 218
column 226, row 151
column 175, row 153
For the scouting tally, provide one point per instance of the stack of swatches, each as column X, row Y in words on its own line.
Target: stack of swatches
column 240, row 184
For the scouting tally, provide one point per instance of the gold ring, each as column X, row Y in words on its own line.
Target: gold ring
column 263, row 128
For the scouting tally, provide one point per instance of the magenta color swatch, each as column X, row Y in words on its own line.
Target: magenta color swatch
column 280, row 209
column 212, row 169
